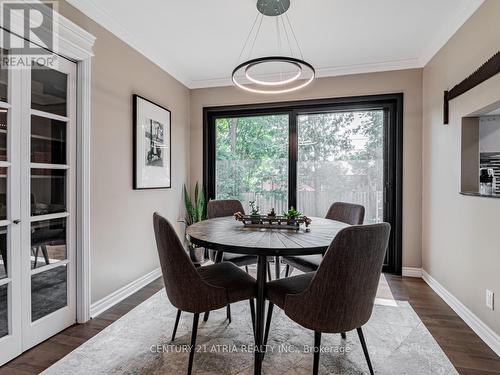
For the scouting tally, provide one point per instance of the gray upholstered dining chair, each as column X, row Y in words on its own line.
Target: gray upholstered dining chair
column 197, row 290
column 339, row 296
column 348, row 213
column 224, row 208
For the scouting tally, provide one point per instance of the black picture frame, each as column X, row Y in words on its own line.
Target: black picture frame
column 391, row 104
column 138, row 136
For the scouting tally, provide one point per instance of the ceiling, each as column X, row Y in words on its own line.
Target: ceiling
column 199, row 41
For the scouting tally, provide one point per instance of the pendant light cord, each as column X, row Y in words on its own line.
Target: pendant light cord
column 286, row 34
column 256, row 35
column 294, row 36
column 291, row 29
column 248, row 37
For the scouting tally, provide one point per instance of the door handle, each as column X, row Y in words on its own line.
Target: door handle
column 17, row 221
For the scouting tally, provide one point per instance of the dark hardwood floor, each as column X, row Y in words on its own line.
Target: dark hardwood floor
column 465, row 349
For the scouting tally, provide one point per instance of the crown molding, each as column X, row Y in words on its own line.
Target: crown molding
column 323, row 72
column 92, row 10
column 449, row 29
column 106, row 20
column 72, row 42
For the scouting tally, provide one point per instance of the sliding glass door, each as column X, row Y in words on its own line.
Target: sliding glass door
column 308, row 155
column 252, row 160
column 341, row 159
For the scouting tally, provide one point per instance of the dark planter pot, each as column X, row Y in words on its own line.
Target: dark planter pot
column 197, row 254
column 256, row 220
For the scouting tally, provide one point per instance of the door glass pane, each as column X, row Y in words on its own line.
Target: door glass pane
column 3, row 134
column 252, row 161
column 49, row 91
column 3, row 193
column 4, row 78
column 48, row 141
column 3, row 252
column 48, row 292
column 340, row 158
column 4, row 311
column 48, row 191
column 48, row 242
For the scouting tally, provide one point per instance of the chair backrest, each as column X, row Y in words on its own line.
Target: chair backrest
column 348, row 213
column 342, row 292
column 223, row 207
column 185, row 288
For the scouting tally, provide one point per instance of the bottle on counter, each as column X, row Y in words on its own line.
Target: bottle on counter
column 486, row 182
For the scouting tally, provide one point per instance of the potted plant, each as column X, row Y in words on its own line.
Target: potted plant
column 195, row 208
column 254, row 212
column 292, row 215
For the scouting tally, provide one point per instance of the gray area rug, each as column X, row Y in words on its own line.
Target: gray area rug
column 139, row 343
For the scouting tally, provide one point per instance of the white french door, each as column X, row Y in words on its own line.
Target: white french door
column 37, row 204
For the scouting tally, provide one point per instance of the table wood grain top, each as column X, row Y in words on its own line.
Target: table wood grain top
column 228, row 235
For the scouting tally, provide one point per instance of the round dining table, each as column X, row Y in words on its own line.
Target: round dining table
column 225, row 234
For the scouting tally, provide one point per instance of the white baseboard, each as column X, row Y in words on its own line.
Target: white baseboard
column 412, row 272
column 481, row 329
column 122, row 293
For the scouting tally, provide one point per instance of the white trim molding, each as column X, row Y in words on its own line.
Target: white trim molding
column 96, row 11
column 112, row 299
column 412, row 272
column 322, row 72
column 76, row 44
column 83, row 285
column 477, row 325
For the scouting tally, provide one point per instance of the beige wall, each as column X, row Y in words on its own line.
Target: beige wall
column 460, row 234
column 407, row 81
column 122, row 242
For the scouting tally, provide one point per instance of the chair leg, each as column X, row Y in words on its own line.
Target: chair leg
column 246, row 269
column 365, row 349
column 268, row 322
column 317, row 345
column 252, row 313
column 269, row 272
column 343, row 335
column 192, row 349
column 287, row 270
column 228, row 313
column 219, row 256
column 277, row 267
column 45, row 254
column 36, row 256
column 205, row 317
column 176, row 324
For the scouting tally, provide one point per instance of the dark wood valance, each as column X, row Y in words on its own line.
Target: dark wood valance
column 485, row 72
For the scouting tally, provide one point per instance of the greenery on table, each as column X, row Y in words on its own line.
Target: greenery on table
column 292, row 214
column 254, row 209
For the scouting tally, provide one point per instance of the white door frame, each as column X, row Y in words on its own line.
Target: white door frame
column 75, row 43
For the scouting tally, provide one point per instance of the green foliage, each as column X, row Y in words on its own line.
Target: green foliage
column 254, row 210
column 252, row 156
column 340, row 154
column 292, row 213
column 195, row 208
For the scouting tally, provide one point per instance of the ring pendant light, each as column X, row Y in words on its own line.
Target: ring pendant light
column 251, row 74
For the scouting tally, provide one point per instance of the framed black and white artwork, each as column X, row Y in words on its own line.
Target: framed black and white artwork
column 152, row 145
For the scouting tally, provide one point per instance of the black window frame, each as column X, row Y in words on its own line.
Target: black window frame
column 391, row 104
